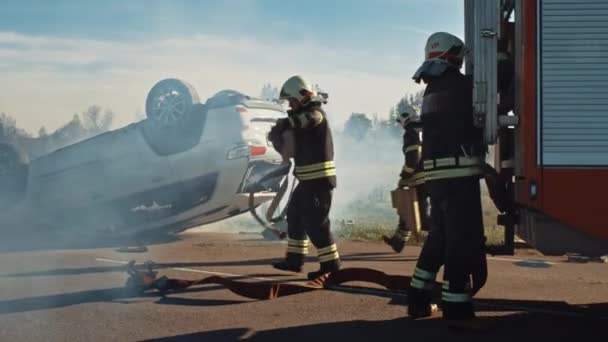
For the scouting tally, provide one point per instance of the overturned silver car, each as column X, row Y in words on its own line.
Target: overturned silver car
column 187, row 164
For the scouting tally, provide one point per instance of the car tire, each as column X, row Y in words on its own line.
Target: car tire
column 13, row 174
column 169, row 132
column 169, row 102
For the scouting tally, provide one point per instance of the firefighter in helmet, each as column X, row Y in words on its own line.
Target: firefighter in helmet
column 411, row 176
column 309, row 207
column 453, row 154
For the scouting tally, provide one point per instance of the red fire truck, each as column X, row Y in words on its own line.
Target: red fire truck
column 549, row 59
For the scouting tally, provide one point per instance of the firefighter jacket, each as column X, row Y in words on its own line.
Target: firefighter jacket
column 411, row 174
column 314, row 150
column 452, row 147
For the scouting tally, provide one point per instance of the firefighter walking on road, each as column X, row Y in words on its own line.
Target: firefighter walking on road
column 309, row 207
column 453, row 153
column 411, row 176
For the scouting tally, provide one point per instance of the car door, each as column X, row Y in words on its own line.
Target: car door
column 135, row 179
column 67, row 178
column 211, row 171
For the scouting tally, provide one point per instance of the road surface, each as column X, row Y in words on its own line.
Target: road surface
column 57, row 291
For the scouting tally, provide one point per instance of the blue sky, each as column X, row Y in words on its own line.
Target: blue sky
column 69, row 54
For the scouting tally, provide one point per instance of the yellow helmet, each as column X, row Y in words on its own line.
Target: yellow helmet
column 296, row 87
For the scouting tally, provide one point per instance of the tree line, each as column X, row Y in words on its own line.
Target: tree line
column 96, row 120
column 361, row 126
column 93, row 121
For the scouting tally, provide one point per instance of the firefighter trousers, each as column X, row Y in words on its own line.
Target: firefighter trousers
column 456, row 241
column 308, row 217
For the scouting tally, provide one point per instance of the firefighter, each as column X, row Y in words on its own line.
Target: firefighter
column 309, row 207
column 453, row 155
column 411, row 176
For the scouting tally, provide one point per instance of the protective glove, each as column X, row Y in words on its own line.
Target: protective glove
column 403, row 183
column 275, row 134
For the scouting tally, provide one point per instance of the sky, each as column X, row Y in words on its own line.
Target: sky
column 59, row 57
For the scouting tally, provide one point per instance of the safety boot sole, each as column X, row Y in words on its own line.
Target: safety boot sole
column 397, row 246
column 284, row 266
column 426, row 312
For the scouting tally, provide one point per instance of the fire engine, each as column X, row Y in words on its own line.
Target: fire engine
column 540, row 70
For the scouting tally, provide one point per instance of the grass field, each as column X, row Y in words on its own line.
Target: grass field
column 365, row 217
column 370, row 217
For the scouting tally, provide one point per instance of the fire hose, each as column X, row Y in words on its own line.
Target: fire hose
column 146, row 280
column 271, row 220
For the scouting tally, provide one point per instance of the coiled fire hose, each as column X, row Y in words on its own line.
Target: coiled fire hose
column 271, row 220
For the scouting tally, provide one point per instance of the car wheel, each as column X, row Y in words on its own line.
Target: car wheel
column 175, row 117
column 169, row 102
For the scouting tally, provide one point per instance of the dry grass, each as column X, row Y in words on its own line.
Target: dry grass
column 494, row 232
column 372, row 217
column 367, row 219
column 364, row 231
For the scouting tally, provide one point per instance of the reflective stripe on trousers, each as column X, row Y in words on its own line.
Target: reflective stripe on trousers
column 454, row 297
column 328, row 253
column 297, row 246
column 423, row 280
column 315, row 171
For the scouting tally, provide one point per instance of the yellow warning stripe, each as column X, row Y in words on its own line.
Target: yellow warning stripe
column 315, row 167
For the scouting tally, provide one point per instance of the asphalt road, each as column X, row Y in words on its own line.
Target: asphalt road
column 57, row 291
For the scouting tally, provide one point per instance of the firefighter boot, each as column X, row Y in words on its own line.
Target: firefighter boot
column 460, row 317
column 395, row 242
column 326, row 267
column 399, row 238
column 292, row 263
column 419, row 303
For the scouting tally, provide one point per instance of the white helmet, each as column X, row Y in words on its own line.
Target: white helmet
column 444, row 47
column 296, row 87
column 408, row 114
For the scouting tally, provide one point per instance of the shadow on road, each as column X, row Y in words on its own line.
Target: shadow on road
column 539, row 307
column 168, row 265
column 196, row 302
column 511, row 327
column 118, row 295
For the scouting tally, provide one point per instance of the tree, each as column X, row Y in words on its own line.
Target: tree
column 402, row 104
column 9, row 126
column 393, row 115
column 72, row 131
column 106, row 121
column 357, row 126
column 375, row 120
column 10, row 131
column 269, row 92
column 388, row 127
column 42, row 132
column 95, row 122
column 414, row 100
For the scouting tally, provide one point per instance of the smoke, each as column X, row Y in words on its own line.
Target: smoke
column 367, row 170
